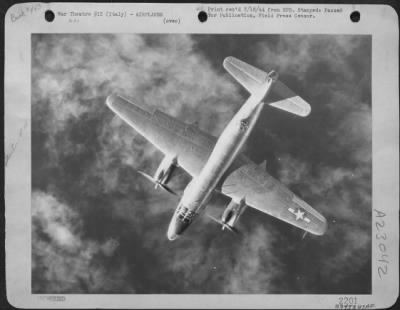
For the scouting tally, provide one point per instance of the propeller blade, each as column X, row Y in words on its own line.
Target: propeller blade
column 236, row 231
column 231, row 229
column 164, row 187
column 169, row 190
column 214, row 219
column 147, row 176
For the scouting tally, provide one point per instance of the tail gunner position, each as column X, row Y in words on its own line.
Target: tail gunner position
column 208, row 159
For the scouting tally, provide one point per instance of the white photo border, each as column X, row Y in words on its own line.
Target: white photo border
column 380, row 21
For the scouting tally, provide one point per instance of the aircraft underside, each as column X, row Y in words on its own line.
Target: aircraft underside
column 213, row 161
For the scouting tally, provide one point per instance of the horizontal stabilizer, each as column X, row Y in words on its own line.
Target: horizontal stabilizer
column 288, row 101
column 253, row 79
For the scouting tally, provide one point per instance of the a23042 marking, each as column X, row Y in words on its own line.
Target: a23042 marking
column 381, row 238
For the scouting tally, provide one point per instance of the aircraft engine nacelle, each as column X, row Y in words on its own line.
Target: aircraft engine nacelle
column 232, row 213
column 165, row 170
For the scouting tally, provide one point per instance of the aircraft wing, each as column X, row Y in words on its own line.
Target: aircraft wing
column 192, row 147
column 189, row 144
column 262, row 192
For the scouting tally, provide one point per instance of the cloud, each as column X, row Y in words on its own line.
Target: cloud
column 69, row 108
column 297, row 54
column 158, row 74
column 85, row 160
column 64, row 261
column 256, row 253
column 334, row 174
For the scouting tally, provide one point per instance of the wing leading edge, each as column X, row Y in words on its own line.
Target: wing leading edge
column 189, row 144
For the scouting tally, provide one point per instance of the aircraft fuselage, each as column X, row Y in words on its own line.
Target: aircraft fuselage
column 227, row 147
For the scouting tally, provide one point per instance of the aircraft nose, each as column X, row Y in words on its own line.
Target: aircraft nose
column 172, row 232
column 177, row 226
column 172, row 236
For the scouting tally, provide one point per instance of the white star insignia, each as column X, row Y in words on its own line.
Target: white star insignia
column 299, row 215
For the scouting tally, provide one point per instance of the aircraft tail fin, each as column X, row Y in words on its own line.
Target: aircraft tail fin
column 254, row 79
column 248, row 76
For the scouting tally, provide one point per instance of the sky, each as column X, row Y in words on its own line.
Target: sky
column 99, row 227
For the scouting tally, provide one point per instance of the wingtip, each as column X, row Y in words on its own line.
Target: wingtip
column 307, row 110
column 110, row 100
column 228, row 60
column 323, row 228
column 305, row 106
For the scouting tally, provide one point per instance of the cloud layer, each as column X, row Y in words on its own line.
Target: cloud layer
column 99, row 227
column 64, row 260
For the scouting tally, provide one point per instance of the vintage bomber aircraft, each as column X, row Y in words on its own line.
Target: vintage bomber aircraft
column 217, row 165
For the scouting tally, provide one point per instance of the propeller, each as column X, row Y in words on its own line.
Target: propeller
column 163, row 186
column 224, row 225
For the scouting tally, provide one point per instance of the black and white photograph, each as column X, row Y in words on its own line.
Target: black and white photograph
column 123, row 123
column 201, row 156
